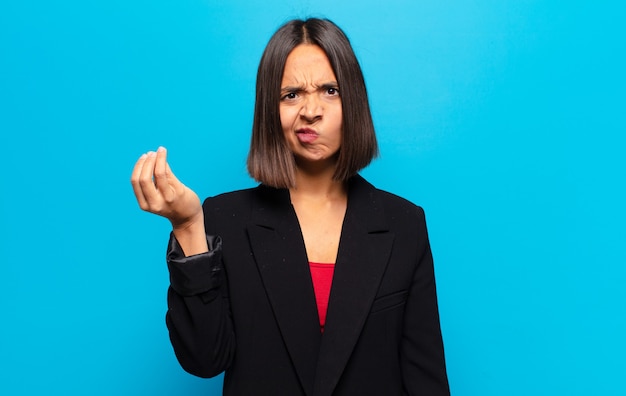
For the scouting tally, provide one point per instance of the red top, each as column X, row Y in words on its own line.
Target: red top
column 322, row 275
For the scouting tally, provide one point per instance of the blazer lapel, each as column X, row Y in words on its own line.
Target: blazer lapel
column 281, row 259
column 364, row 251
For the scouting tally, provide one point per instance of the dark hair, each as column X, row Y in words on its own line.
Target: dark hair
column 270, row 161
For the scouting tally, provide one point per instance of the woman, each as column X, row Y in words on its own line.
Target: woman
column 251, row 271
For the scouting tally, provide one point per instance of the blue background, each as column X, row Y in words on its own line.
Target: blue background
column 503, row 119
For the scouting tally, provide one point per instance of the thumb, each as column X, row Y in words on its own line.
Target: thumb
column 170, row 175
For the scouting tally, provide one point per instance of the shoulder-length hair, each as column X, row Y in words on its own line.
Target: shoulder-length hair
column 270, row 161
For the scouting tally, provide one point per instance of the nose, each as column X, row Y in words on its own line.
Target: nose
column 312, row 108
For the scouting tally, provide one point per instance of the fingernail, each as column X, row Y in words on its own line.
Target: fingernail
column 161, row 149
column 143, row 156
column 151, row 153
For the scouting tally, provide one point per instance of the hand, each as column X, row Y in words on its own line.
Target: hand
column 158, row 191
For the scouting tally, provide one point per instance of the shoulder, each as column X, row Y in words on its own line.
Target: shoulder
column 228, row 211
column 382, row 211
column 393, row 205
column 259, row 193
column 243, row 202
column 399, row 205
column 232, row 198
column 233, row 211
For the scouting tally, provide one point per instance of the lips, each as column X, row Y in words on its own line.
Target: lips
column 306, row 135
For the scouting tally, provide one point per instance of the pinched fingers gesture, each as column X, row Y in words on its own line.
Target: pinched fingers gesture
column 158, row 191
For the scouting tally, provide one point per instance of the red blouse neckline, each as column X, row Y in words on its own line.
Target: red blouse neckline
column 322, row 277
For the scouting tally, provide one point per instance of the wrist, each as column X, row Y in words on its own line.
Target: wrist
column 190, row 224
column 191, row 236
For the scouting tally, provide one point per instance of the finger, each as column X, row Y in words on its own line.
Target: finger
column 177, row 189
column 146, row 180
column 160, row 176
column 164, row 179
column 134, row 181
column 170, row 175
column 134, row 176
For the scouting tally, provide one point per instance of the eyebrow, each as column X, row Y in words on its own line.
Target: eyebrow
column 291, row 88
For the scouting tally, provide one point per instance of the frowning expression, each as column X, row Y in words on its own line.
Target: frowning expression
column 310, row 106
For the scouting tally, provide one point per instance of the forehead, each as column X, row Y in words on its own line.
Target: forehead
column 307, row 62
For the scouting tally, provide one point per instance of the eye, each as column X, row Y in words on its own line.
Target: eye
column 332, row 91
column 289, row 96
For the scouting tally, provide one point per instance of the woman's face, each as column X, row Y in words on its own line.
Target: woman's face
column 310, row 106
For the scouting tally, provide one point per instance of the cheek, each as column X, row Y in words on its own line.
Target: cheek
column 286, row 117
column 338, row 118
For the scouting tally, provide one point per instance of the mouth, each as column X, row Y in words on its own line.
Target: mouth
column 306, row 135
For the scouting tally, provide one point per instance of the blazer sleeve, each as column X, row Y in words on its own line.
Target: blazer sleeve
column 422, row 354
column 198, row 316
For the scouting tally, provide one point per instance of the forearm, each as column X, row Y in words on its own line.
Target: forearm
column 198, row 317
column 201, row 333
column 191, row 236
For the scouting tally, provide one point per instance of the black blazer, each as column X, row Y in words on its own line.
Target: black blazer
column 248, row 306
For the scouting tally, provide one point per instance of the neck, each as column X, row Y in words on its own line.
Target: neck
column 318, row 185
